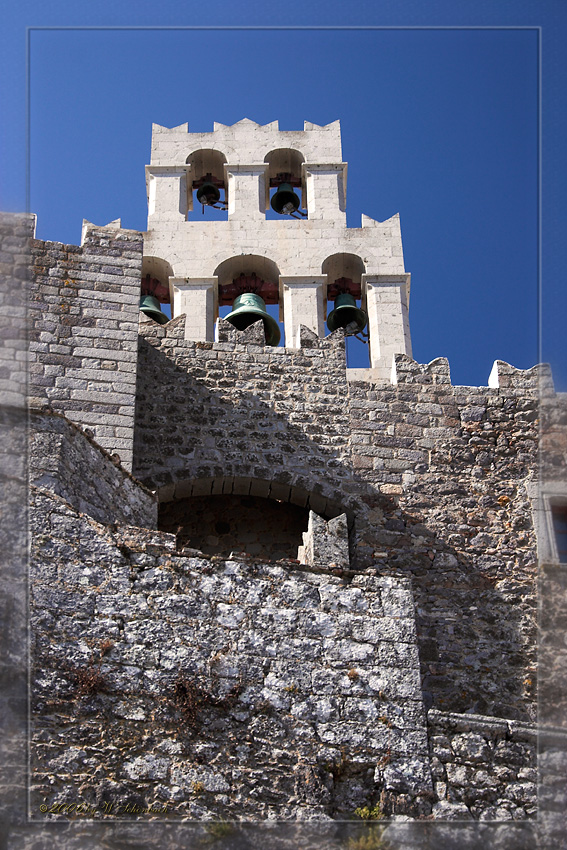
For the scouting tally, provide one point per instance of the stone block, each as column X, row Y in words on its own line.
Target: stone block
column 326, row 543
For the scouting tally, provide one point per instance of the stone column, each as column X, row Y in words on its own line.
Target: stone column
column 247, row 187
column 326, row 191
column 386, row 300
column 302, row 299
column 196, row 298
column 169, row 189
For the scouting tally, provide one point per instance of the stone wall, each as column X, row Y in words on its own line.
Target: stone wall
column 482, row 768
column 554, row 439
column 233, row 689
column 454, row 462
column 432, row 478
column 236, row 411
column 66, row 460
column 16, row 232
column 437, row 485
column 552, row 703
column 83, row 332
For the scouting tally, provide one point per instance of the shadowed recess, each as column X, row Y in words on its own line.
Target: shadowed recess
column 219, row 525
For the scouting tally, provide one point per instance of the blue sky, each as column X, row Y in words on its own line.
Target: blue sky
column 439, row 124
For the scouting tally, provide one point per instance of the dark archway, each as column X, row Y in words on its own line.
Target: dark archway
column 229, row 524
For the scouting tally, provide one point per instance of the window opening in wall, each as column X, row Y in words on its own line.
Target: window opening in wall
column 209, row 192
column 559, row 517
column 155, row 299
column 209, row 200
column 285, row 184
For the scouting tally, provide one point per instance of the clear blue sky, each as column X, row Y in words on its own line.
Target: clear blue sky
column 439, row 124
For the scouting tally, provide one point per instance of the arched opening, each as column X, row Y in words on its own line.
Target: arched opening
column 230, row 524
column 220, row 516
column 249, row 273
column 344, row 277
column 284, row 174
column 207, row 199
column 155, row 282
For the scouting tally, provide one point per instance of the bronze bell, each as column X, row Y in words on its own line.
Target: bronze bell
column 346, row 312
column 149, row 305
column 247, row 309
column 208, row 194
column 285, row 200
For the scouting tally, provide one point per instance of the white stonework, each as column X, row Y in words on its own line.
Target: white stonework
column 167, row 192
column 195, row 298
column 303, row 304
column 386, row 300
column 245, row 156
column 326, row 191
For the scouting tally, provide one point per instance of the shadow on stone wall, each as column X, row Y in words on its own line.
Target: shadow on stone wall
column 221, row 525
column 187, row 431
column 476, row 627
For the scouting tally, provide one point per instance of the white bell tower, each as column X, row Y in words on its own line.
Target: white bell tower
column 301, row 260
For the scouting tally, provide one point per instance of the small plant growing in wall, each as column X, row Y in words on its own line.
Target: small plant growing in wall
column 105, row 647
column 369, row 812
column 191, row 697
column 90, row 681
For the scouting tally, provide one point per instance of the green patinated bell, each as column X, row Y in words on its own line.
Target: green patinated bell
column 149, row 305
column 285, row 200
column 208, row 194
column 247, row 309
column 346, row 312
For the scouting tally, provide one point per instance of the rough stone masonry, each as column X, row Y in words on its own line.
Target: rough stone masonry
column 264, row 586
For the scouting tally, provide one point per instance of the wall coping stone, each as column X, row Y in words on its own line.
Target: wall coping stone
column 512, row 729
column 37, row 412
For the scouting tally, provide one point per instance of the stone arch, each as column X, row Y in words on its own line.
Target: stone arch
column 284, row 159
column 159, row 270
column 287, row 161
column 225, row 515
column 343, row 265
column 319, row 498
column 203, row 162
column 206, row 160
column 251, row 266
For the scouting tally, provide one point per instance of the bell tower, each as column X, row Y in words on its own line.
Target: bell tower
column 301, row 259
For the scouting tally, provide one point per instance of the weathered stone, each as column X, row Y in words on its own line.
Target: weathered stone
column 414, row 528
